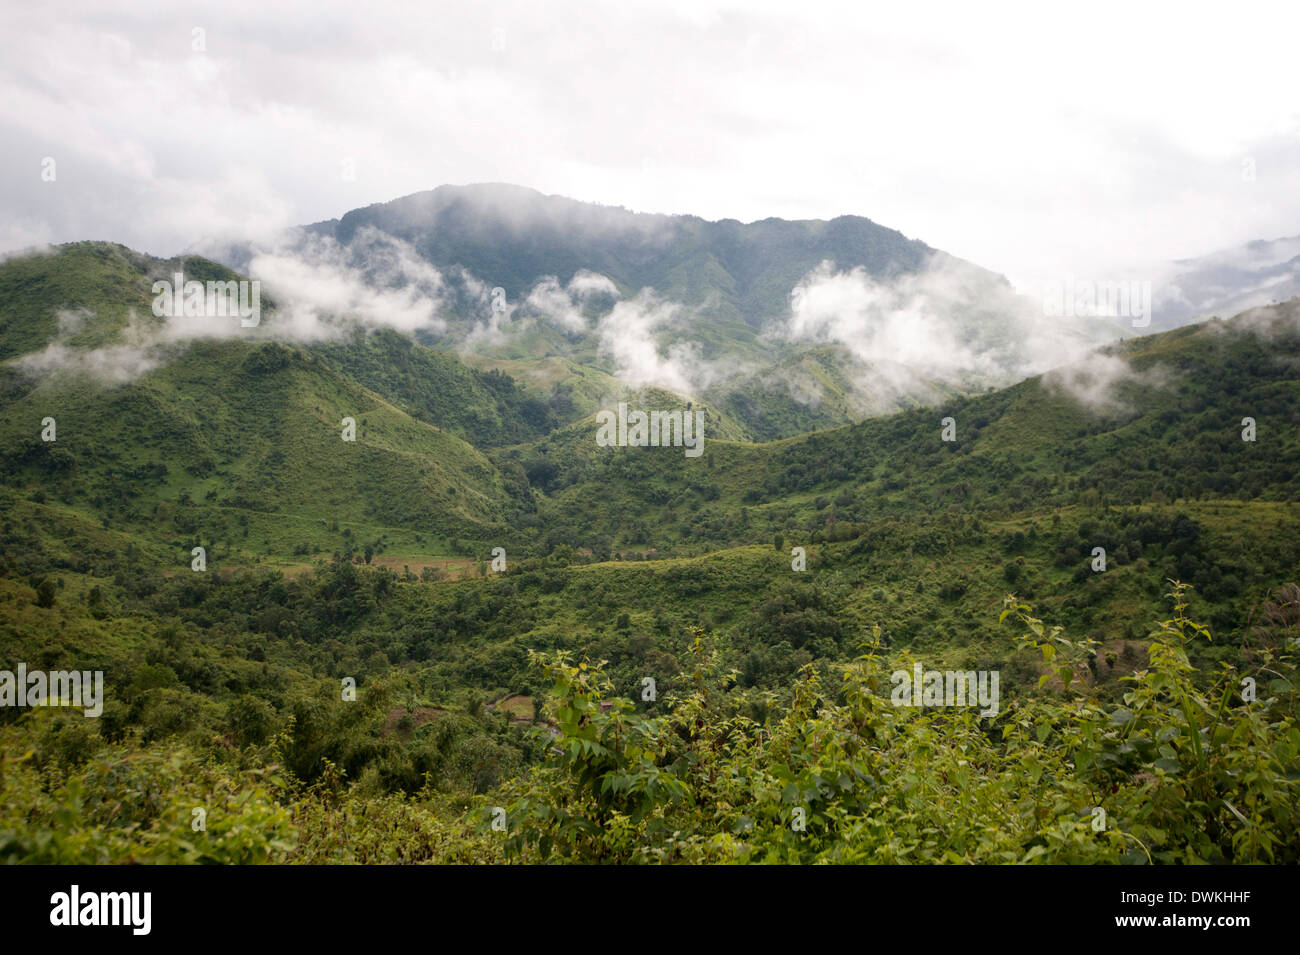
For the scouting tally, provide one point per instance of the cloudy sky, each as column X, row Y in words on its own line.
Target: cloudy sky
column 1031, row 142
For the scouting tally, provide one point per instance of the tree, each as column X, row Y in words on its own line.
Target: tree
column 251, row 720
column 96, row 601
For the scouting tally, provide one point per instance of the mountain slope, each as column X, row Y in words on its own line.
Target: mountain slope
column 242, row 443
column 1158, row 418
column 248, row 431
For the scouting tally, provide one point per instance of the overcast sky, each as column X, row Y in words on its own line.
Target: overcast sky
column 1033, row 143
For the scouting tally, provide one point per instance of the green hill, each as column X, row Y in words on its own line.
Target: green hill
column 240, row 444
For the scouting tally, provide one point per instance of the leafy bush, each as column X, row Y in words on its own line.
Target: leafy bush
column 1176, row 774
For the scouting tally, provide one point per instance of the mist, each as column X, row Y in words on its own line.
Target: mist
column 947, row 326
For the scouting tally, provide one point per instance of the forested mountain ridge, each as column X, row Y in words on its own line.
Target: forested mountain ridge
column 516, row 236
column 787, row 326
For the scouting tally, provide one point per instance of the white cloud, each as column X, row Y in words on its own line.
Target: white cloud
column 585, row 284
column 563, row 305
column 376, row 280
column 948, row 324
column 1033, row 140
column 110, row 364
column 629, row 337
column 143, row 348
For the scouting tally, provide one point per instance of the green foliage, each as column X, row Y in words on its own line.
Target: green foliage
column 138, row 806
column 45, row 593
column 773, row 738
column 608, row 774
column 1178, row 774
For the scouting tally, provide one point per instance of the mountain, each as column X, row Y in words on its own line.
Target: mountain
column 1229, row 281
column 787, row 325
column 236, row 437
column 513, row 237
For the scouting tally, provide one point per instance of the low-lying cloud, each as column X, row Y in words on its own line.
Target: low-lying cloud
column 629, row 336
column 1094, row 381
column 142, row 349
column 322, row 290
column 323, row 287
column 563, row 305
column 949, row 325
column 910, row 338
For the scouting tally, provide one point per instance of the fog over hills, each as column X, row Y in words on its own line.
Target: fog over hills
column 1229, row 281
column 787, row 325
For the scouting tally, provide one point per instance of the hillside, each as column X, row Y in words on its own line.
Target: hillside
column 1166, row 426
column 237, row 443
column 371, row 561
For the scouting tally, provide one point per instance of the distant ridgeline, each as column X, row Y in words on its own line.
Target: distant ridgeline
column 784, row 326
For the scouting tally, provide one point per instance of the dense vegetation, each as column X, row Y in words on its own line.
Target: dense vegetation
column 1125, row 733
